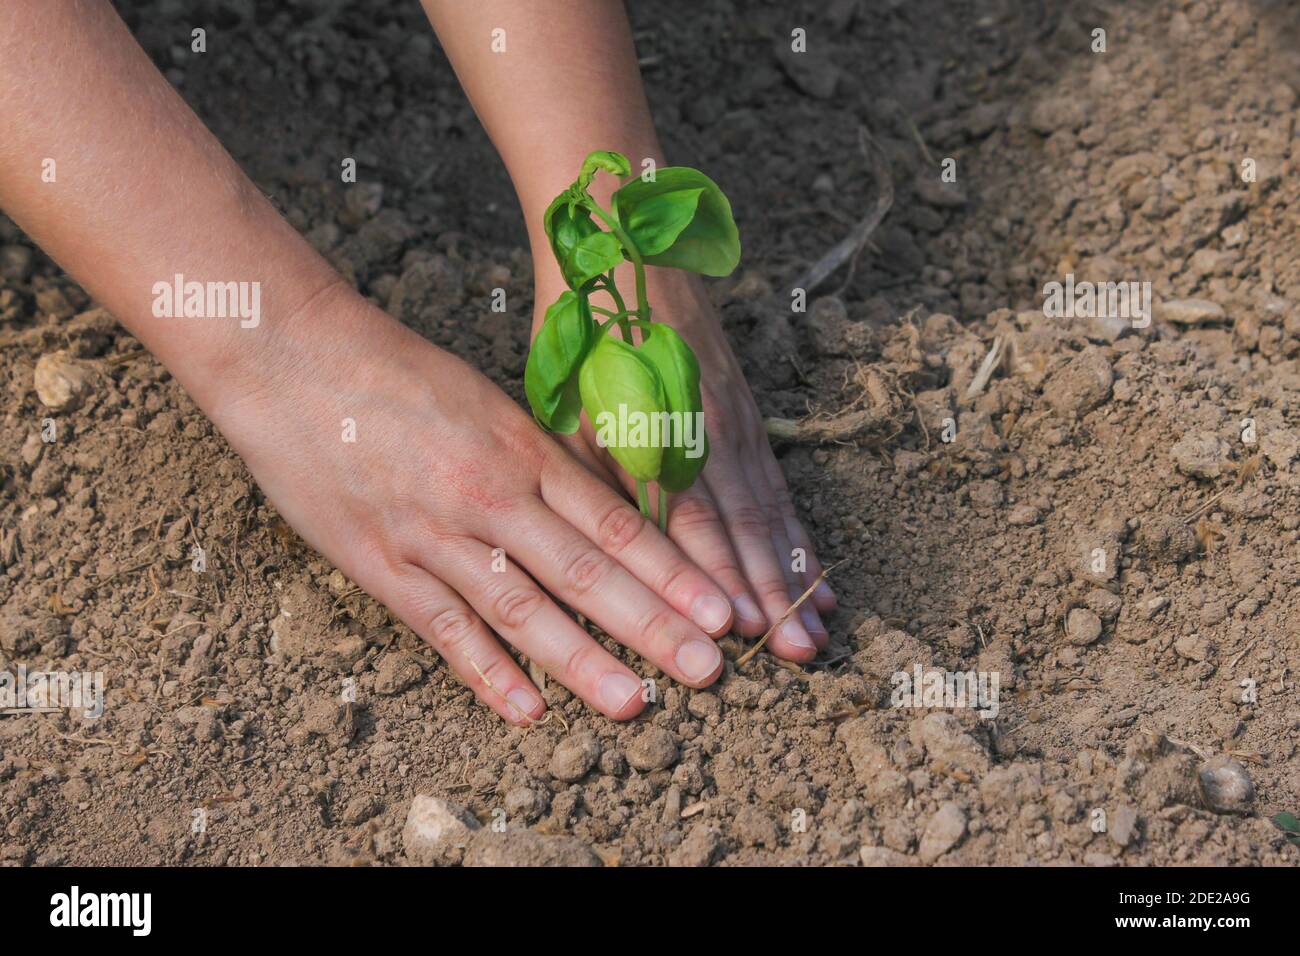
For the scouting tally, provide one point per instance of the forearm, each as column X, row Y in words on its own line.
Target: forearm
column 141, row 192
column 566, row 84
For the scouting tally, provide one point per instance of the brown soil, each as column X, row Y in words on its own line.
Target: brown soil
column 1119, row 679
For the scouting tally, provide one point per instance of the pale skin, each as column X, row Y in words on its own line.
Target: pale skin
column 446, row 467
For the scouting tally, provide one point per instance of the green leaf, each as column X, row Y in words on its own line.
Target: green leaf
column 583, row 250
column 606, row 159
column 708, row 244
column 657, row 222
column 551, row 375
column 624, row 398
column 687, row 445
column 1287, row 822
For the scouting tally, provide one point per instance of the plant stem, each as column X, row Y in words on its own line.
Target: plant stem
column 663, row 510
column 643, row 305
column 643, row 498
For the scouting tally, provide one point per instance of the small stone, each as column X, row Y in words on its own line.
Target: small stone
column 1106, row 604
column 1123, row 825
column 937, row 193
column 1024, row 515
column 15, row 263
column 1226, row 786
column 437, row 831
column 1200, row 454
column 1082, row 627
column 395, row 673
column 884, row 856
column 1194, row 647
column 1190, row 312
column 1080, row 385
column 359, row 810
column 654, row 749
column 574, row 757
column 943, row 832
column 361, row 202
column 704, row 705
column 698, row 849
column 61, row 383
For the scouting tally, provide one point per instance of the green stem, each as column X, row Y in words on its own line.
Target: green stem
column 643, row 498
column 663, row 510
column 643, row 305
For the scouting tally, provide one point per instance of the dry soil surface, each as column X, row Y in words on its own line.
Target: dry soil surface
column 1102, row 531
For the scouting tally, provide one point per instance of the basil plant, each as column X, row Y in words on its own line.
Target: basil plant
column 637, row 379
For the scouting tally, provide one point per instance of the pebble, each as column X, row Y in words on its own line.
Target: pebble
column 61, row 382
column 1190, row 312
column 1082, row 627
column 1024, row 515
column 1226, row 785
column 943, row 832
column 1081, row 384
column 437, row 831
column 1200, row 454
column 884, row 856
column 654, row 749
column 1123, row 825
column 574, row 757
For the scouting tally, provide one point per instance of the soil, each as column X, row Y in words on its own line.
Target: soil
column 1103, row 532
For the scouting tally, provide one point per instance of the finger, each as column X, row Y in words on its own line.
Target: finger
column 823, row 597
column 696, row 526
column 584, row 577
column 515, row 607
column 436, row 613
column 751, row 534
column 807, row 613
column 596, row 512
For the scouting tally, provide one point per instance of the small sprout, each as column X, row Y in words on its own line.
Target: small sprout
column 1288, row 824
column 643, row 397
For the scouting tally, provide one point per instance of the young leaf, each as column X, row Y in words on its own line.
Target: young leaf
column 606, row 159
column 709, row 243
column 656, row 223
column 582, row 249
column 624, row 397
column 551, row 375
column 688, row 446
column 1287, row 822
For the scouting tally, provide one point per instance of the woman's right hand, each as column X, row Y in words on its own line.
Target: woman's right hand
column 445, row 468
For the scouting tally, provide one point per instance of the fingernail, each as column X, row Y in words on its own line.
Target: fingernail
column 710, row 613
column 812, row 621
column 795, row 635
column 616, row 689
column 747, row 610
column 697, row 660
column 824, row 591
column 526, row 702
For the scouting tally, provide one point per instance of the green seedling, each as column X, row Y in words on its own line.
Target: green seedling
column 1288, row 824
column 641, row 389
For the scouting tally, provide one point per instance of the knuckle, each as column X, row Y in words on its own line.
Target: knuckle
column 775, row 589
column 750, row 521
column 451, row 628
column 577, row 662
column 674, row 576
column 691, row 512
column 660, row 621
column 619, row 528
column 515, row 606
column 586, row 570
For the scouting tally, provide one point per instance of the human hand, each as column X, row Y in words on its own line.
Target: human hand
column 446, row 468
